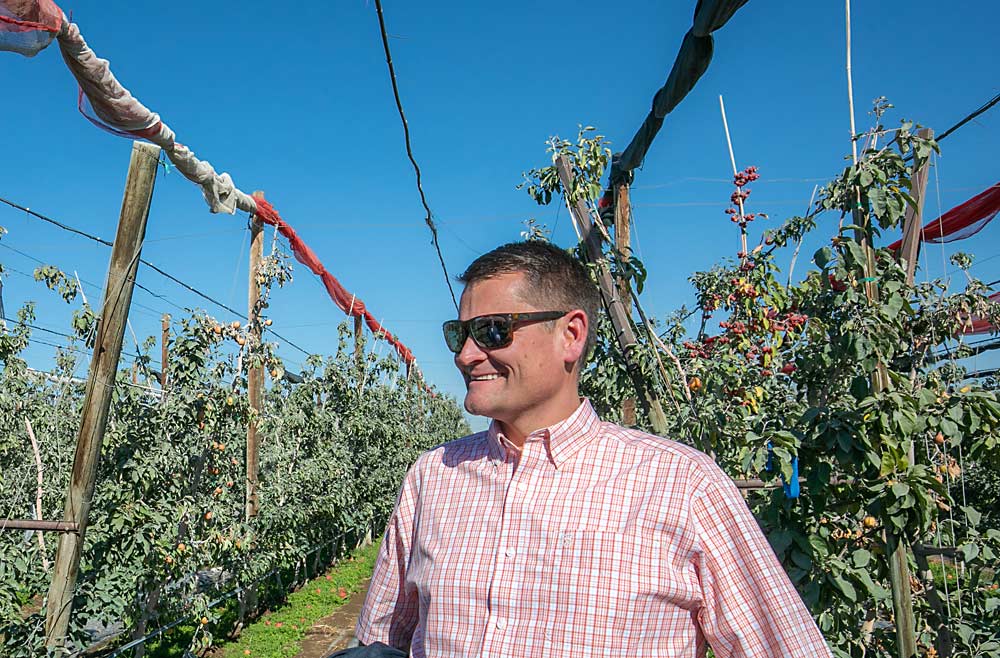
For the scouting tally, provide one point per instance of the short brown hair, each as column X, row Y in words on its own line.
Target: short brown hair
column 556, row 280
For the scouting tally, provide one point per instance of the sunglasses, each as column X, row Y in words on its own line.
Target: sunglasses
column 491, row 332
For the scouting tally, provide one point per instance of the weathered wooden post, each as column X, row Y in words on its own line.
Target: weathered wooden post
column 616, row 308
column 164, row 348
column 909, row 252
column 623, row 244
column 100, row 385
column 358, row 345
column 914, row 219
column 255, row 373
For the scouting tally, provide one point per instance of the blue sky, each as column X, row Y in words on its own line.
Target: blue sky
column 300, row 105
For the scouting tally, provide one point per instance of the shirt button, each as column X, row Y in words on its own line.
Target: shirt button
column 501, row 624
column 522, row 487
column 509, row 552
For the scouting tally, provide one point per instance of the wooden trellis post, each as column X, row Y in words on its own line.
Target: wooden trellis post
column 623, row 244
column 100, row 385
column 616, row 308
column 358, row 329
column 909, row 251
column 255, row 374
column 914, row 219
column 164, row 348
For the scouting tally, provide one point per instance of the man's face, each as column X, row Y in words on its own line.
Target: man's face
column 517, row 383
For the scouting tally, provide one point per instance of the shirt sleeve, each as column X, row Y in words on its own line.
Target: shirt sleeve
column 391, row 609
column 750, row 608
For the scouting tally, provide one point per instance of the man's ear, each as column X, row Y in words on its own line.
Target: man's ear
column 574, row 336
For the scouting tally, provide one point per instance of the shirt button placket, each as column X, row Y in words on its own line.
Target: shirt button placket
column 499, row 597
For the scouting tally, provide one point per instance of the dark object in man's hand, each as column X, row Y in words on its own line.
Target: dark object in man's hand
column 373, row 650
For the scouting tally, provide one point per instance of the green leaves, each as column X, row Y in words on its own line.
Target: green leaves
column 823, row 257
column 835, row 371
column 169, row 502
column 56, row 279
column 861, row 557
column 972, row 515
column 588, row 159
column 845, row 587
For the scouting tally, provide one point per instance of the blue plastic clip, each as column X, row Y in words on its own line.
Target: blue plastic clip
column 791, row 489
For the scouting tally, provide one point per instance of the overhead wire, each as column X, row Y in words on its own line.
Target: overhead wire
column 77, row 350
column 148, row 309
column 429, row 220
column 148, row 264
column 972, row 115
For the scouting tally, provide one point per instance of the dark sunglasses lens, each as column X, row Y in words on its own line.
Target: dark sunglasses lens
column 491, row 333
column 454, row 335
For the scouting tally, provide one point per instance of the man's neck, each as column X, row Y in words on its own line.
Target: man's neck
column 517, row 430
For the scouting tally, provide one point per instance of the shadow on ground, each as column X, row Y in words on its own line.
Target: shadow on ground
column 334, row 632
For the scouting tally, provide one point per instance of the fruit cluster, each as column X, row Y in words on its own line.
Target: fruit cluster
column 233, row 330
column 748, row 175
column 739, row 197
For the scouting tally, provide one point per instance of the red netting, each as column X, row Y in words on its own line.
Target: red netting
column 28, row 26
column 961, row 221
column 347, row 302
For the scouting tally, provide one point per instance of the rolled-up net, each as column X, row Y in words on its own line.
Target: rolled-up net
column 28, row 26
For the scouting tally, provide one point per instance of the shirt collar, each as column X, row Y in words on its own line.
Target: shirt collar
column 563, row 439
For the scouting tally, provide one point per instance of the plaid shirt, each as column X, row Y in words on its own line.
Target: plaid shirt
column 593, row 540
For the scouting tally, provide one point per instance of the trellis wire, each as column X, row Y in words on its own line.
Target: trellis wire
column 228, row 595
column 960, row 558
column 937, row 534
column 236, row 267
column 167, row 275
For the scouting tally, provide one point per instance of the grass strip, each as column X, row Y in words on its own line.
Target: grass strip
column 279, row 633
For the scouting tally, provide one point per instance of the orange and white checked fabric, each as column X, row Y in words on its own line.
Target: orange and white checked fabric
column 595, row 540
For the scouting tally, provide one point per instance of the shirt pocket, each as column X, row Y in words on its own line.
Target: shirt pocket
column 613, row 591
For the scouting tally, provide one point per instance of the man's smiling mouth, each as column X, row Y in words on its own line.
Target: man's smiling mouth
column 483, row 378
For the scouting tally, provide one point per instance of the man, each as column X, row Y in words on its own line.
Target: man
column 554, row 533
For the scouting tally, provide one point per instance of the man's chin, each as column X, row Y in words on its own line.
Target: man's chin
column 478, row 407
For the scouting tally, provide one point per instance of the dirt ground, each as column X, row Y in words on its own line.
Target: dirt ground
column 333, row 633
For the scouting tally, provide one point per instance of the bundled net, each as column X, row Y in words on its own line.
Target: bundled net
column 28, row 26
column 962, row 221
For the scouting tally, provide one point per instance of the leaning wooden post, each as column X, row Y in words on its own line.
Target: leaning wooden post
column 100, row 385
column 255, row 373
column 616, row 309
column 909, row 250
column 164, row 348
column 914, row 219
column 623, row 244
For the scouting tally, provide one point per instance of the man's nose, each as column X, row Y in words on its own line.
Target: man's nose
column 470, row 354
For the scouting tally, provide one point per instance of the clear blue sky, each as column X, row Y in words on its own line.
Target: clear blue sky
column 297, row 102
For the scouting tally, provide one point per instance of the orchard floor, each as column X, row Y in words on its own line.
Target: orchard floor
column 334, row 632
